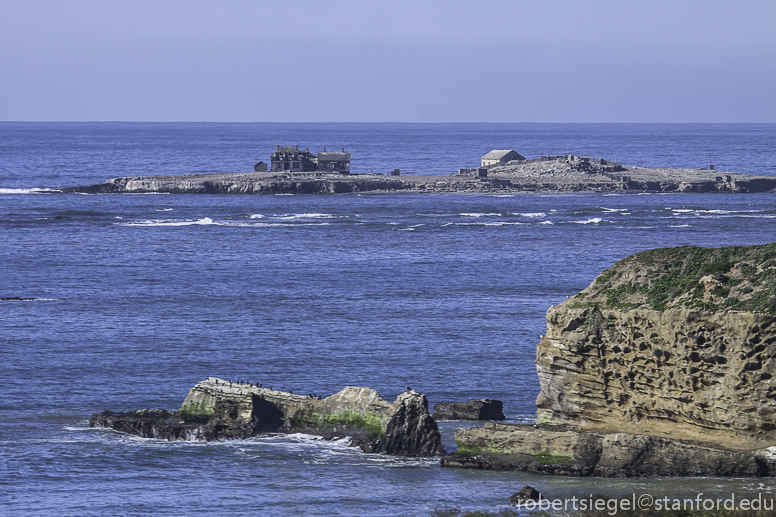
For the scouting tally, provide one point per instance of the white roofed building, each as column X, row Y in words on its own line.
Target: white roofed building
column 500, row 156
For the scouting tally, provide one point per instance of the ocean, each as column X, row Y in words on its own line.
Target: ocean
column 139, row 297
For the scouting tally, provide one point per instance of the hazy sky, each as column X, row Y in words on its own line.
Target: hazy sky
column 368, row 60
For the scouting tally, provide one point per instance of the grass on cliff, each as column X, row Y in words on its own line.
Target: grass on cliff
column 737, row 278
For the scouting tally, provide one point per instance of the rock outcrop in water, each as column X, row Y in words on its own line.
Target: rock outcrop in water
column 216, row 409
column 568, row 173
column 664, row 365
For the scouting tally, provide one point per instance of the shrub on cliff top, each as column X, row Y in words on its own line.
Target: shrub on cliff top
column 741, row 278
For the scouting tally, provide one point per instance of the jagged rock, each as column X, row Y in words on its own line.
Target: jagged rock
column 527, row 493
column 410, row 430
column 148, row 423
column 474, row 409
column 216, row 409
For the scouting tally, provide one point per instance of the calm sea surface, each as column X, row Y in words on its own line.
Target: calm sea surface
column 141, row 296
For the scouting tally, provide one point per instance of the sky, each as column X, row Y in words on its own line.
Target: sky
column 388, row 61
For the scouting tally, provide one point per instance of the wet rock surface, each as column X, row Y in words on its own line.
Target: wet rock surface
column 474, row 409
column 527, row 493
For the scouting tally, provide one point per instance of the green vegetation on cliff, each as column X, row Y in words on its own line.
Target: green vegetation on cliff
column 738, row 278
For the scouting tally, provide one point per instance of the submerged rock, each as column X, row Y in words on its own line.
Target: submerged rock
column 216, row 409
column 474, row 409
column 527, row 493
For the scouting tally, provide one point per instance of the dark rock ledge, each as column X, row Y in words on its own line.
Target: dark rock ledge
column 217, row 409
column 569, row 451
column 474, row 409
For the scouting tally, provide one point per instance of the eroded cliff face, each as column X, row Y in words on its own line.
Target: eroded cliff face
column 659, row 345
column 680, row 373
column 663, row 366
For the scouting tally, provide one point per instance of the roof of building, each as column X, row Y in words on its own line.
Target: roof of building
column 334, row 157
column 498, row 154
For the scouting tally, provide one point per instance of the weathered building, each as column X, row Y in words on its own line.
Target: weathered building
column 287, row 158
column 500, row 156
column 334, row 161
column 291, row 159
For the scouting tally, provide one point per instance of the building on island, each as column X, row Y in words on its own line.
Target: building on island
column 334, row 161
column 261, row 166
column 500, row 156
column 291, row 159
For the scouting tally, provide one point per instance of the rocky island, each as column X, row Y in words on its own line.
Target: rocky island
column 568, row 173
column 218, row 409
column 663, row 366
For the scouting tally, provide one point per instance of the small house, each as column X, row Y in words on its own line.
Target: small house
column 334, row 161
column 500, row 156
column 291, row 159
column 261, row 166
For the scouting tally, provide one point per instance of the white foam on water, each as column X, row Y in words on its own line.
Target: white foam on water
column 500, row 223
column 27, row 190
column 529, row 214
column 680, row 226
column 164, row 209
column 546, row 222
column 157, row 222
column 594, row 220
column 479, row 214
column 271, row 225
column 257, row 216
column 304, row 216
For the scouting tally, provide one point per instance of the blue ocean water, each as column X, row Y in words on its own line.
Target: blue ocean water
column 138, row 297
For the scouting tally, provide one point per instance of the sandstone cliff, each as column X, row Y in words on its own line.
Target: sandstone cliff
column 217, row 409
column 674, row 344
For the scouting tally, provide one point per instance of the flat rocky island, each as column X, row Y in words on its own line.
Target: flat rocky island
column 567, row 173
column 663, row 366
